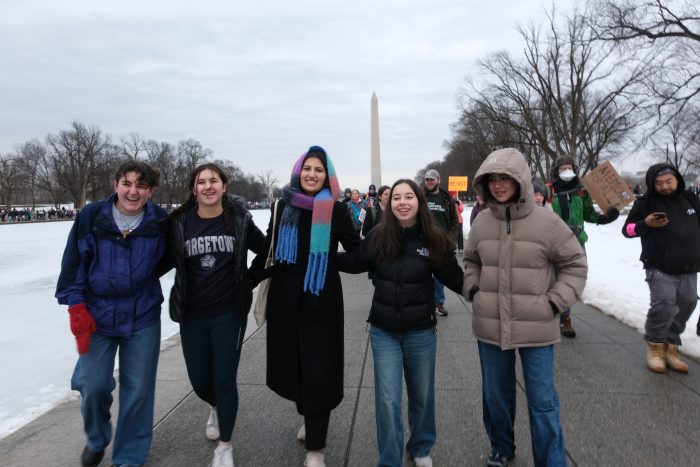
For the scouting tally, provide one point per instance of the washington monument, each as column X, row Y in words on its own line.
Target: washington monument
column 376, row 174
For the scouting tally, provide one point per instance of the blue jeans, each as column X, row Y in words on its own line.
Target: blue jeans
column 498, row 385
column 439, row 288
column 412, row 353
column 94, row 378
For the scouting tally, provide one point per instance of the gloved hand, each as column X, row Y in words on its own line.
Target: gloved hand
column 82, row 326
column 613, row 214
column 554, row 307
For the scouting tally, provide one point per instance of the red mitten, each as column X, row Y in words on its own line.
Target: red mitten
column 82, row 326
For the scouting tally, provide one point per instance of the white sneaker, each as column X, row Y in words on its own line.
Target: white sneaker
column 314, row 459
column 213, row 425
column 423, row 461
column 223, row 456
column 301, row 434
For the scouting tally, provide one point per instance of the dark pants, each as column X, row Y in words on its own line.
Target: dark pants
column 672, row 300
column 316, row 427
column 211, row 346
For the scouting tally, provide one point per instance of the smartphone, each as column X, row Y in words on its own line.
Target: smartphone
column 659, row 215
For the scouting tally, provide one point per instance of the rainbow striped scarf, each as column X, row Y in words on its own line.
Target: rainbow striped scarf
column 321, row 206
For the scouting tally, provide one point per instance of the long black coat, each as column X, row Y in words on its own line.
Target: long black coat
column 305, row 341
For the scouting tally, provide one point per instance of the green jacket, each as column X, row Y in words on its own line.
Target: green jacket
column 580, row 209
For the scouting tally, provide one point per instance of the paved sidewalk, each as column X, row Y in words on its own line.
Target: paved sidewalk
column 614, row 411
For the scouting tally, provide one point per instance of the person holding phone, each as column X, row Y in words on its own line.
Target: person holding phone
column 667, row 220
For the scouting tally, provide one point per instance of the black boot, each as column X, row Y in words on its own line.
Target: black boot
column 91, row 459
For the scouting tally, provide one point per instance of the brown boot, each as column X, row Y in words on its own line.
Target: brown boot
column 655, row 357
column 565, row 326
column 672, row 360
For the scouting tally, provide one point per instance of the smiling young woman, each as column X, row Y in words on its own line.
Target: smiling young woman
column 208, row 240
column 402, row 253
column 305, row 302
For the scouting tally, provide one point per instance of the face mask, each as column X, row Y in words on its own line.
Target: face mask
column 567, row 175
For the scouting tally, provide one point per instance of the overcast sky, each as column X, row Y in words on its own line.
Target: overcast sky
column 257, row 82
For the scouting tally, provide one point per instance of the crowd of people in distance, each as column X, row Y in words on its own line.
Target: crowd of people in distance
column 522, row 266
column 33, row 214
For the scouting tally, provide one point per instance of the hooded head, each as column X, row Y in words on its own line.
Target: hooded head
column 512, row 163
column 538, row 188
column 657, row 178
column 564, row 160
column 372, row 190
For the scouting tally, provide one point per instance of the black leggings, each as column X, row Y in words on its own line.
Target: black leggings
column 211, row 346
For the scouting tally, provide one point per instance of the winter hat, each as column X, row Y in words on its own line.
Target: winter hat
column 563, row 160
column 432, row 173
column 539, row 188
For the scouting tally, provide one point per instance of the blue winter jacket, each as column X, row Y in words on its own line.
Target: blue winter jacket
column 114, row 276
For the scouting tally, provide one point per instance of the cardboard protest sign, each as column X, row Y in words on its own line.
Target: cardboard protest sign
column 607, row 188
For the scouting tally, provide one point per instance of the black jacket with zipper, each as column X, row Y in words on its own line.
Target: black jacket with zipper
column 247, row 237
column 403, row 297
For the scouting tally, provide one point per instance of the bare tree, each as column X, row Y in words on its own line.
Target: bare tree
column 678, row 142
column 172, row 186
column 111, row 158
column 474, row 136
column 566, row 95
column 75, row 153
column 32, row 154
column 133, row 145
column 268, row 181
column 9, row 170
column 47, row 179
column 192, row 154
column 671, row 28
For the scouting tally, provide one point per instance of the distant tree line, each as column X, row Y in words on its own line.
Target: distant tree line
column 77, row 165
column 616, row 77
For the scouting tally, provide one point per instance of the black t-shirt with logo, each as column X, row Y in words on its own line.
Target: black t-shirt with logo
column 209, row 260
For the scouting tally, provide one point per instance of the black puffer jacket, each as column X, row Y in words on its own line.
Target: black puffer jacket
column 404, row 297
column 247, row 237
column 674, row 248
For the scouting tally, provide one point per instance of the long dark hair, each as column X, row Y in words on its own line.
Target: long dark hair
column 386, row 242
column 191, row 201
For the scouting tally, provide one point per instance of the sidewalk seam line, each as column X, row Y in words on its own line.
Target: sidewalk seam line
column 357, row 403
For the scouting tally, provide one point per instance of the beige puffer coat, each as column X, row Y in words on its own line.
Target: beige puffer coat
column 520, row 258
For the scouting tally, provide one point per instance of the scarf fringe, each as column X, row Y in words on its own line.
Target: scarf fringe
column 315, row 277
column 286, row 251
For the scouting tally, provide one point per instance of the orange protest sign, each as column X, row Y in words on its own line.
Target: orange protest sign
column 457, row 183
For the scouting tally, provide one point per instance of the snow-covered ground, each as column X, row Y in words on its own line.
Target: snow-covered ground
column 37, row 350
